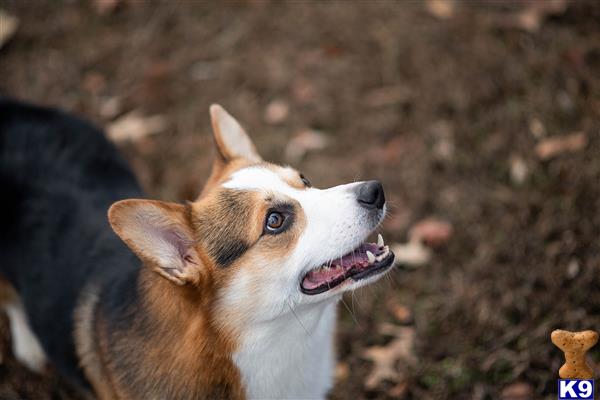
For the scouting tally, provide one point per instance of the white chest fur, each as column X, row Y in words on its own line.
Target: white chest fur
column 290, row 358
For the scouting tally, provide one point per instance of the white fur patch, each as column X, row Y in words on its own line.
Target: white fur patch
column 26, row 346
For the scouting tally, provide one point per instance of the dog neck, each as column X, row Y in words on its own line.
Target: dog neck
column 291, row 356
column 162, row 343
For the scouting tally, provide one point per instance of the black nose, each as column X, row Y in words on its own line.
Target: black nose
column 370, row 195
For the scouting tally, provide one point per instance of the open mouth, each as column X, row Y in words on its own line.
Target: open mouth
column 366, row 260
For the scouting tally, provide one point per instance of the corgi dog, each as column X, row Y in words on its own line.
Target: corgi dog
column 231, row 296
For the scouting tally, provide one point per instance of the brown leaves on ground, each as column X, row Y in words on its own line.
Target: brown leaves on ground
column 8, row 27
column 441, row 9
column 106, row 7
column 411, row 255
column 303, row 142
column 555, row 146
column 134, row 126
column 517, row 391
column 276, row 112
column 534, row 13
column 389, row 360
column 431, row 231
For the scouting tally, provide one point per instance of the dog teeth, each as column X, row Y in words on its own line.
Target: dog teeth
column 380, row 243
column 371, row 257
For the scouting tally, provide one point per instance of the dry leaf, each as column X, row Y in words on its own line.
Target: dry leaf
column 412, row 254
column 105, row 7
column 276, row 112
column 442, row 9
column 443, row 134
column 432, row 232
column 536, row 127
column 533, row 14
column 8, row 27
column 303, row 142
column 399, row 350
column 517, row 391
column 573, row 269
column 554, row 146
column 110, row 108
column 402, row 313
column 518, row 170
column 134, row 125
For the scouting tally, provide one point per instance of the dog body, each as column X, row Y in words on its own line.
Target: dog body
column 230, row 296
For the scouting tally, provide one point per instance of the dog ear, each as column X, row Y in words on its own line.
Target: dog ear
column 231, row 139
column 160, row 235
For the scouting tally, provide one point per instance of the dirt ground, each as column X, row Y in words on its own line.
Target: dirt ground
column 455, row 107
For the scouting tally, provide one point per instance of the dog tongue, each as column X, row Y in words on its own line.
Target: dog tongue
column 357, row 258
column 317, row 277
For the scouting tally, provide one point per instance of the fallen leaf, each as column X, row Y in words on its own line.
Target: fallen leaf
column 303, row 142
column 554, row 146
column 517, row 391
column 110, row 108
column 276, row 112
column 106, row 7
column 573, row 269
column 431, row 231
column 536, row 127
column 518, row 170
column 134, row 126
column 412, row 254
column 8, row 27
column 532, row 15
column 442, row 9
column 385, row 358
column 443, row 135
column 402, row 313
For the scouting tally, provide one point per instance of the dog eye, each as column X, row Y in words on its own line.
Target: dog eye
column 305, row 181
column 274, row 222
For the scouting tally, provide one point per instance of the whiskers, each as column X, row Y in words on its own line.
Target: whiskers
column 351, row 311
column 297, row 318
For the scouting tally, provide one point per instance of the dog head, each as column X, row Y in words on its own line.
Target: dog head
column 259, row 236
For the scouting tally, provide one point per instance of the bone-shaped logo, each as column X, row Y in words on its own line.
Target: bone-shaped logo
column 575, row 345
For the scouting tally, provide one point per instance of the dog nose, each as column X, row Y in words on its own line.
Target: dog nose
column 370, row 195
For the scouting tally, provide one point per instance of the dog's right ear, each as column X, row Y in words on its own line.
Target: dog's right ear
column 160, row 235
column 231, row 139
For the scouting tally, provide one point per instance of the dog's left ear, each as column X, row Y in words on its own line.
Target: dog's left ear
column 231, row 139
column 160, row 235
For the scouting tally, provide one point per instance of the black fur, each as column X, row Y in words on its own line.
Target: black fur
column 222, row 237
column 59, row 175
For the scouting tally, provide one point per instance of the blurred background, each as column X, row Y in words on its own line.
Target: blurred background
column 481, row 119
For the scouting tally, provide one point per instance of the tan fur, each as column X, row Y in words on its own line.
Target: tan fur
column 200, row 358
column 7, row 292
column 87, row 347
column 288, row 174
